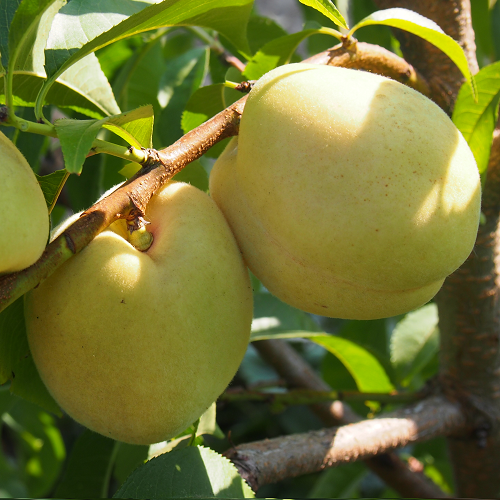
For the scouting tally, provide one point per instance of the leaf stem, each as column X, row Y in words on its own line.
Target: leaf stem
column 98, row 146
column 127, row 153
column 330, row 31
column 231, row 85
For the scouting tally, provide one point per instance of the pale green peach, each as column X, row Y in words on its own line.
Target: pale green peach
column 25, row 220
column 137, row 345
column 350, row 195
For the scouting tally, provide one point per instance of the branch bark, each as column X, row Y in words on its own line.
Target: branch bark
column 469, row 321
column 272, row 460
column 388, row 466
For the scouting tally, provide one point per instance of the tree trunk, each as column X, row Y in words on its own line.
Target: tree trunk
column 468, row 301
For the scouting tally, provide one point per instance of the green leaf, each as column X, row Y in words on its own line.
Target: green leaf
column 275, row 53
column 78, row 95
column 138, row 80
column 77, row 136
column 128, row 458
column 64, row 47
column 373, row 335
column 7, row 9
column 16, row 363
column 366, row 370
column 424, row 28
column 208, row 423
column 414, row 341
column 327, row 8
column 41, row 450
column 275, row 319
column 89, row 467
column 339, row 482
column 481, row 22
column 135, row 127
column 29, row 19
column 193, row 174
column 83, row 87
column 192, row 472
column 183, row 76
column 477, row 119
column 51, row 185
column 262, row 30
column 202, row 105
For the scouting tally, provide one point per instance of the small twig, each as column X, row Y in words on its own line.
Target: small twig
column 279, row 400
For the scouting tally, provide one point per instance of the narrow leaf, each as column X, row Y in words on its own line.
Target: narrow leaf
column 83, row 87
column 96, row 102
column 424, row 28
column 192, row 472
column 327, row 8
column 262, row 30
column 135, row 126
column 368, row 373
column 182, row 77
column 477, row 119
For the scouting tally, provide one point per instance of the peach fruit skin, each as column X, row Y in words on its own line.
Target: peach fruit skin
column 350, row 195
column 25, row 220
column 137, row 345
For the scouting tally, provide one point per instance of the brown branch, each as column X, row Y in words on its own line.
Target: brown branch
column 442, row 75
column 375, row 59
column 273, row 460
column 134, row 194
column 388, row 466
column 137, row 192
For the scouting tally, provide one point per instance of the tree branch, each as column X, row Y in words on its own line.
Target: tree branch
column 368, row 57
column 272, row 460
column 138, row 190
column 133, row 195
column 388, row 466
